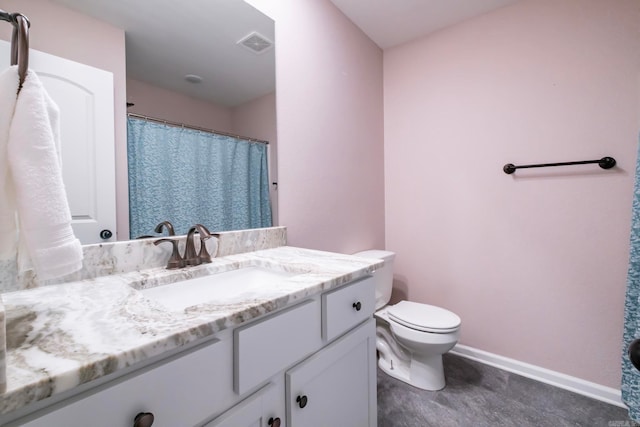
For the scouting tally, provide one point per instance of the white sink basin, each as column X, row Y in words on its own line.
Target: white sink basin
column 222, row 287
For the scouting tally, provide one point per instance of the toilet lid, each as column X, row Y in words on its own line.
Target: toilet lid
column 424, row 317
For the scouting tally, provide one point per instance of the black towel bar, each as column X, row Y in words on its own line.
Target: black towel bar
column 604, row 163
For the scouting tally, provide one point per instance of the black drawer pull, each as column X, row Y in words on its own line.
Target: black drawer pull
column 143, row 419
column 274, row 422
column 357, row 305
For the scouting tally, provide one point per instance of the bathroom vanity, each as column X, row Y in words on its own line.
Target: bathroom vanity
column 300, row 352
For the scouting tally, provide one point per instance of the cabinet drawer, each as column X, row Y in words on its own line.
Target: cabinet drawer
column 266, row 347
column 182, row 392
column 344, row 308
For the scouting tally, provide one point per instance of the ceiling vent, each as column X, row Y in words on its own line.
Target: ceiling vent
column 256, row 43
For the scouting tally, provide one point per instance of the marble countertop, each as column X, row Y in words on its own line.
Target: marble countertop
column 62, row 336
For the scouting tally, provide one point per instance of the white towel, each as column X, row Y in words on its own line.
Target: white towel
column 43, row 211
column 9, row 81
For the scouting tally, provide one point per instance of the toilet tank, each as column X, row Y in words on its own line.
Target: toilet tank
column 383, row 277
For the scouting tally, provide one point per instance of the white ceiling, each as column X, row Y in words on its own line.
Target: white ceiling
column 166, row 40
column 392, row 22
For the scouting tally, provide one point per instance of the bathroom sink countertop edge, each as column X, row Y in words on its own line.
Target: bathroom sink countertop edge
column 62, row 336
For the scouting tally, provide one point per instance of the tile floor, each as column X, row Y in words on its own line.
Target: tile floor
column 479, row 395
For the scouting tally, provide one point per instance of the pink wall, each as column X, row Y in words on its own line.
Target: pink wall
column 68, row 34
column 256, row 118
column 534, row 263
column 154, row 101
column 330, row 128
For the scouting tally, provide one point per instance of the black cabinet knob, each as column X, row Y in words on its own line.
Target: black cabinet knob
column 357, row 305
column 106, row 234
column 302, row 401
column 143, row 419
column 274, row 422
column 634, row 353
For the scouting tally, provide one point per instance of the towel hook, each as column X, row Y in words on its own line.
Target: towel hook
column 19, row 42
column 20, row 46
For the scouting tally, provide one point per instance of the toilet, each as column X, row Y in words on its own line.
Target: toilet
column 410, row 337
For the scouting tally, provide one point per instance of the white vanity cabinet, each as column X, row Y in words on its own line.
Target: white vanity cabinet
column 309, row 365
column 328, row 346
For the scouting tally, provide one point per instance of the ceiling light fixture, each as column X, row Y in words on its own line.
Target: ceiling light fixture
column 193, row 78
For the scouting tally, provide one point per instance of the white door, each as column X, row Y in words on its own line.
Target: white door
column 84, row 95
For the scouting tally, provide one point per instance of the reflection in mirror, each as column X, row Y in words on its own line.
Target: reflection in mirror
column 189, row 176
column 203, row 63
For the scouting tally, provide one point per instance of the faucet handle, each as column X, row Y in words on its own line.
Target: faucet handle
column 205, row 234
column 175, row 261
column 204, row 254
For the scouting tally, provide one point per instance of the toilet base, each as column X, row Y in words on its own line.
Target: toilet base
column 426, row 373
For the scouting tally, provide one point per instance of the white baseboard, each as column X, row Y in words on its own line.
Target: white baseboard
column 557, row 379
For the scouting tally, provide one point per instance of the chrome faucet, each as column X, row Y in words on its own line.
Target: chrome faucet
column 190, row 256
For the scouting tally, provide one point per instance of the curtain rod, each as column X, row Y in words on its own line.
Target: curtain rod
column 182, row 125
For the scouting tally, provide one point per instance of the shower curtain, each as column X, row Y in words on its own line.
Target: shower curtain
column 630, row 375
column 188, row 176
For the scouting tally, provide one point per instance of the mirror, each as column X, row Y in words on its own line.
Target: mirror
column 167, row 41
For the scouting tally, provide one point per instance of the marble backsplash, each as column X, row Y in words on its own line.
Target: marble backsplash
column 106, row 259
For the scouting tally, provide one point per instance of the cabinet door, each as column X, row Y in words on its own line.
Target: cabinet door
column 261, row 409
column 336, row 386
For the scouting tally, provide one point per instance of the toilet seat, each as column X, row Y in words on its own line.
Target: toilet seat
column 424, row 317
